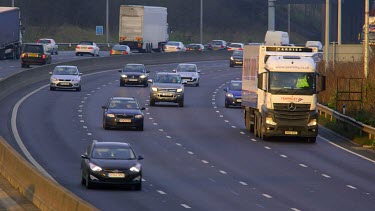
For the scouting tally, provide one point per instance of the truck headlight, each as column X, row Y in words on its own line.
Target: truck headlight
column 231, row 58
column 124, row 76
column 154, row 89
column 179, row 90
column 312, row 122
column 94, row 167
column 270, row 121
column 142, row 76
column 230, row 95
column 111, row 115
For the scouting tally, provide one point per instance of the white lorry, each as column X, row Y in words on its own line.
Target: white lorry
column 11, row 32
column 143, row 28
column 280, row 85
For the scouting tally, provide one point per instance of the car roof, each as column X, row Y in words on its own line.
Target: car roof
column 45, row 39
column 167, row 73
column 135, row 64
column 122, row 98
column 67, row 66
column 236, row 43
column 111, row 144
column 187, row 64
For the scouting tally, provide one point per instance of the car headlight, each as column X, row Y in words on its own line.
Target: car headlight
column 270, row 121
column 76, row 79
column 142, row 76
column 154, row 89
column 111, row 115
column 312, row 122
column 230, row 95
column 179, row 90
column 138, row 116
column 94, row 167
column 124, row 76
column 136, row 168
column 54, row 79
column 231, row 58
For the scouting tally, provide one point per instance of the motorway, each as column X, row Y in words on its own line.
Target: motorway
column 198, row 157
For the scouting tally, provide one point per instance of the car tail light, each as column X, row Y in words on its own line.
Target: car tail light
column 43, row 56
column 90, row 48
column 222, row 46
column 37, row 41
column 78, row 47
column 229, row 48
column 125, row 52
column 112, row 52
column 199, row 49
column 23, row 55
column 178, row 48
column 240, row 49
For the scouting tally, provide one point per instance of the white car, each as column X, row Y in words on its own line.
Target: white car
column 235, row 46
column 174, row 46
column 65, row 77
column 87, row 47
column 51, row 45
column 188, row 73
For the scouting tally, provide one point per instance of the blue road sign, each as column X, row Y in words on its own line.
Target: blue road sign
column 99, row 30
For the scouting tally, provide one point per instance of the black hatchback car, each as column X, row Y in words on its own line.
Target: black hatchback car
column 134, row 74
column 236, row 58
column 111, row 163
column 35, row 54
column 122, row 112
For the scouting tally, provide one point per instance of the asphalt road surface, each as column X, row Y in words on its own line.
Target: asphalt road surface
column 199, row 157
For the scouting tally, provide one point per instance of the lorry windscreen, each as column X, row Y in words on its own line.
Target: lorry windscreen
column 292, row 83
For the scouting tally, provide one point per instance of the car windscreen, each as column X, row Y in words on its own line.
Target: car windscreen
column 186, row 68
column 33, row 48
column 217, row 42
column 65, row 71
column 44, row 41
column 116, row 153
column 194, row 46
column 235, row 45
column 237, row 53
column 119, row 47
column 173, row 43
column 134, row 68
column 235, row 86
column 176, row 79
column 123, row 104
column 86, row 43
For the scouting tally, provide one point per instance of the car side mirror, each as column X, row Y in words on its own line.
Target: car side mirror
column 150, row 81
column 50, row 73
column 225, row 89
column 104, row 107
column 120, row 71
column 143, row 108
column 85, row 156
column 140, row 157
column 174, row 70
column 184, row 82
column 199, row 71
column 80, row 73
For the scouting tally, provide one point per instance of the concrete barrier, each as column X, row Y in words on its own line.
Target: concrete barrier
column 44, row 192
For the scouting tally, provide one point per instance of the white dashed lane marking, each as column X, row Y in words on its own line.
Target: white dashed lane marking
column 326, row 176
column 243, row 183
column 254, row 140
column 243, row 133
column 161, row 192
column 185, row 206
column 267, row 147
column 191, row 153
column 223, row 172
column 267, row 196
column 168, row 137
column 284, row 156
column 352, row 187
column 204, row 161
column 303, row 165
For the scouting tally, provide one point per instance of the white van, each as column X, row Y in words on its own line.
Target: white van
column 317, row 44
column 276, row 38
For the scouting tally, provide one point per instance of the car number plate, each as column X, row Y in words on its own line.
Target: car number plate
column 83, row 47
column 125, row 120
column 116, row 175
column 239, row 100
column 64, row 83
column 33, row 55
column 167, row 94
column 291, row 132
column 132, row 79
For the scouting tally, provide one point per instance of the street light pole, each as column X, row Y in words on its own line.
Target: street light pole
column 201, row 24
column 107, row 25
column 12, row 3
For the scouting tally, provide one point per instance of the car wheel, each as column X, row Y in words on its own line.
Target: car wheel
column 93, row 54
column 122, row 83
column 83, row 180
column 226, row 105
column 138, row 186
column 23, row 66
column 197, row 84
column 78, row 89
column 56, row 52
column 105, row 127
column 152, row 102
column 140, row 127
column 77, row 54
column 231, row 65
column 88, row 183
column 311, row 140
column 52, row 88
column 181, row 103
column 146, row 84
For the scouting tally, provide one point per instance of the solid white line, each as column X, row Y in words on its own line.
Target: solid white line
column 303, row 165
column 356, row 154
column 17, row 135
column 284, row 156
column 161, row 192
column 185, row 206
column 352, row 187
column 243, row 183
column 267, row 196
column 326, row 176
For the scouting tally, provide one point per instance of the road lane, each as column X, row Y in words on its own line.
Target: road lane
column 194, row 157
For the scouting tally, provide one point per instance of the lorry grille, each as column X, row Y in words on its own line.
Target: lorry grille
column 295, row 112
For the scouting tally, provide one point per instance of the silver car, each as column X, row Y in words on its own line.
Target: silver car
column 189, row 73
column 174, row 46
column 51, row 45
column 167, row 87
column 65, row 77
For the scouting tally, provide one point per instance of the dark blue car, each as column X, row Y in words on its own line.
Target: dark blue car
column 233, row 96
